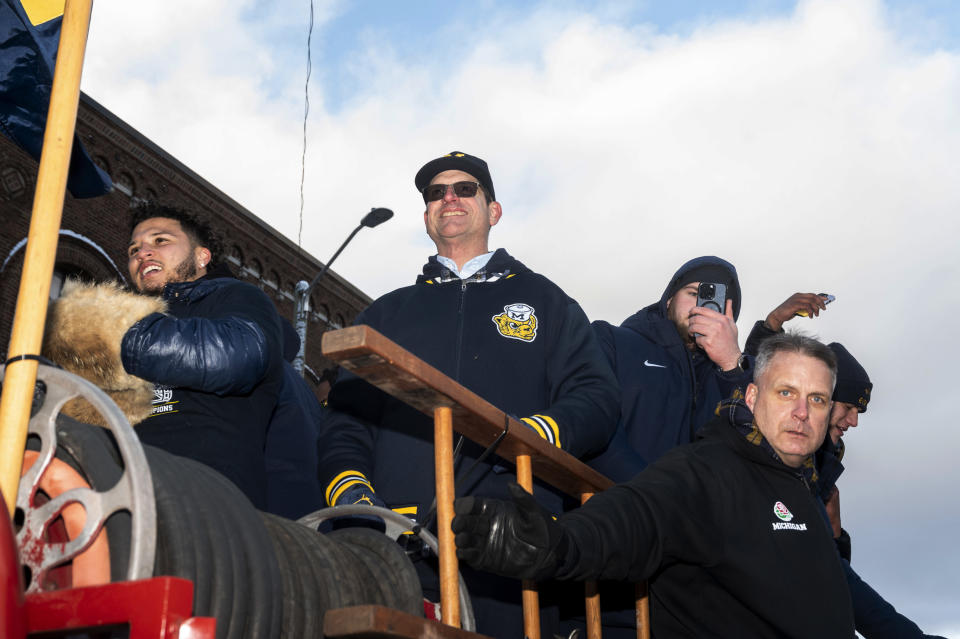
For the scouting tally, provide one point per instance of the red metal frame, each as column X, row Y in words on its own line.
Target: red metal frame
column 157, row 608
column 13, row 617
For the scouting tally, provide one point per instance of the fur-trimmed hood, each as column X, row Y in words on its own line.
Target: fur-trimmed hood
column 84, row 330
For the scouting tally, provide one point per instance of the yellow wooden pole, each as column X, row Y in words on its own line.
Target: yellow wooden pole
column 643, row 611
column 449, row 567
column 41, row 251
column 530, row 595
column 591, row 594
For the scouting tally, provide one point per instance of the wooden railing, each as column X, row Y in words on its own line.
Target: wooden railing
column 371, row 356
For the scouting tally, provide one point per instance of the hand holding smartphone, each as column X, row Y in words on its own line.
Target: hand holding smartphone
column 827, row 298
column 713, row 296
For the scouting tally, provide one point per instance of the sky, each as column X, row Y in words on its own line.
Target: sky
column 814, row 144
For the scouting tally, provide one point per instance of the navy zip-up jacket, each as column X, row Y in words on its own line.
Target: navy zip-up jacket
column 667, row 392
column 216, row 358
column 509, row 335
column 506, row 333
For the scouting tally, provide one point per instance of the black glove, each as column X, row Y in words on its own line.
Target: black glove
column 514, row 539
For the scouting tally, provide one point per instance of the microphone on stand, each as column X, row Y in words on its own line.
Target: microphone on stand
column 374, row 218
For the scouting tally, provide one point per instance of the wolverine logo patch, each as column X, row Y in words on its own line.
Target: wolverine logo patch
column 517, row 321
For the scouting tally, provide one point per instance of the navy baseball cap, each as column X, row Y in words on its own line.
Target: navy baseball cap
column 456, row 161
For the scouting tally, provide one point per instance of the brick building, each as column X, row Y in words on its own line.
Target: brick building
column 94, row 232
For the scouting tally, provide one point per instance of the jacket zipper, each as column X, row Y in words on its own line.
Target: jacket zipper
column 463, row 296
column 693, row 396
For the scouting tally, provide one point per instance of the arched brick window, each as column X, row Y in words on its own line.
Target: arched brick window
column 125, row 184
column 102, row 162
column 320, row 311
column 235, row 256
column 254, row 269
column 272, row 280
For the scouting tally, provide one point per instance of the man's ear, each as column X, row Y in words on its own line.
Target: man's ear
column 202, row 256
column 495, row 212
column 751, row 396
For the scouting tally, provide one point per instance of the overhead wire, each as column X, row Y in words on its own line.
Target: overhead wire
column 306, row 113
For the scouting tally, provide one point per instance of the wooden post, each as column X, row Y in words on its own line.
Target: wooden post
column 592, row 596
column 531, row 596
column 41, row 251
column 443, row 463
column 643, row 611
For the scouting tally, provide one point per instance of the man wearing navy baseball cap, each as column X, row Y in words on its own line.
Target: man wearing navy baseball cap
column 510, row 335
column 461, row 208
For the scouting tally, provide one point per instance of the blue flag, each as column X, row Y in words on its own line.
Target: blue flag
column 29, row 36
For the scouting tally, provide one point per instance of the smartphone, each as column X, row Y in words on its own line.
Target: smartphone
column 713, row 296
column 827, row 298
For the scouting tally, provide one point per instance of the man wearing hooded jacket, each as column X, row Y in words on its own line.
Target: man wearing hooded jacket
column 675, row 362
column 496, row 327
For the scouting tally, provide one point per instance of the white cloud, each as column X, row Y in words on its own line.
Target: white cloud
column 817, row 151
column 201, row 80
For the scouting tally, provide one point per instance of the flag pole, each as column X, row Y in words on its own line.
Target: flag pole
column 41, row 251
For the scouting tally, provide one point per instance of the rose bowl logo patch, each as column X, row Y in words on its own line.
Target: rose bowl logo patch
column 517, row 321
column 785, row 516
column 782, row 512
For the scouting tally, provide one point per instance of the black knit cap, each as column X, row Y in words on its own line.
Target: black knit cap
column 853, row 384
column 708, row 269
column 456, row 161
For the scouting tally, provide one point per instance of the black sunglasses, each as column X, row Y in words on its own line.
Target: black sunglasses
column 435, row 192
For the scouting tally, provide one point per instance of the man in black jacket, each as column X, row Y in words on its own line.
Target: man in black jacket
column 493, row 325
column 875, row 617
column 728, row 529
column 215, row 355
column 675, row 362
column 850, row 398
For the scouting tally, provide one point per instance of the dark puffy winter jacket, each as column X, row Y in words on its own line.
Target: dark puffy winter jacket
column 216, row 360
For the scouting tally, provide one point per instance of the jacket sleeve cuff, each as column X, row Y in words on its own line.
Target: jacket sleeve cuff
column 844, row 544
column 344, row 481
column 743, row 371
column 758, row 333
column 545, row 426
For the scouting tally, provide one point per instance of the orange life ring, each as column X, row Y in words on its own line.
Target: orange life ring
column 92, row 566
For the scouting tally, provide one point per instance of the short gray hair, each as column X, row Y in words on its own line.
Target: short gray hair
column 794, row 342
